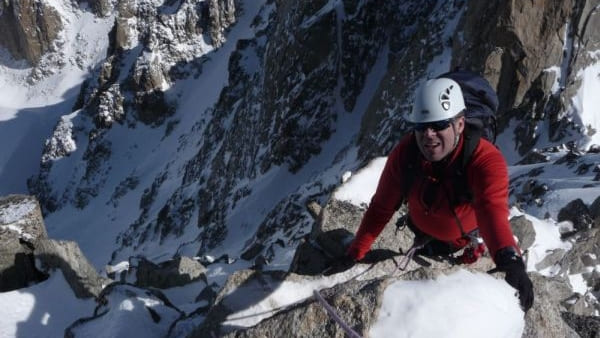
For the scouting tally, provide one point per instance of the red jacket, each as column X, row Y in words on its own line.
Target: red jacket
column 487, row 177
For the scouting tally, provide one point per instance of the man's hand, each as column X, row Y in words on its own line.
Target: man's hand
column 508, row 261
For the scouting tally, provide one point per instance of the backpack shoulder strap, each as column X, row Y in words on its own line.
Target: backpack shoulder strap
column 472, row 137
column 410, row 167
column 462, row 191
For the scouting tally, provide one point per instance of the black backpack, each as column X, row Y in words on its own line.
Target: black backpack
column 481, row 102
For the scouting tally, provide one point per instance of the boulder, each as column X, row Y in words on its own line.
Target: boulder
column 577, row 260
column 176, row 272
column 523, row 229
column 66, row 256
column 551, row 259
column 344, row 215
column 21, row 224
column 578, row 213
column 534, row 156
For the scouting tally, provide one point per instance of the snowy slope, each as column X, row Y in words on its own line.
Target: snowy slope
column 31, row 104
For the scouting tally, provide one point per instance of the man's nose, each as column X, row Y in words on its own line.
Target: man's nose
column 429, row 132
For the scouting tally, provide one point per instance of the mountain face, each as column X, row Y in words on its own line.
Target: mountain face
column 310, row 87
column 207, row 126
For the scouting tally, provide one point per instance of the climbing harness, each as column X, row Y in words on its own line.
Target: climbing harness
column 474, row 250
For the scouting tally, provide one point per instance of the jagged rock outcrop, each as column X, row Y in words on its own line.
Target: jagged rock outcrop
column 29, row 28
column 28, row 256
column 221, row 14
column 595, row 211
column 61, row 143
column 151, row 47
column 99, row 7
column 534, row 54
column 66, row 256
column 544, row 318
column 177, row 272
column 578, row 213
column 523, row 230
column 163, row 275
column 21, row 224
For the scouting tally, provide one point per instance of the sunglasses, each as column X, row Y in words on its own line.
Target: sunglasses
column 435, row 126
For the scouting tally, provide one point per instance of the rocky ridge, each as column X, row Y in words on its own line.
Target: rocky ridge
column 356, row 293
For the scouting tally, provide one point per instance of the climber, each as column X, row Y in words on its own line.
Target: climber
column 449, row 207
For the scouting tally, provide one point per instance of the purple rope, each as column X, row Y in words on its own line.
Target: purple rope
column 409, row 255
column 335, row 316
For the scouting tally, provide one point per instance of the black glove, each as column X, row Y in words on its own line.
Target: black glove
column 378, row 255
column 508, row 261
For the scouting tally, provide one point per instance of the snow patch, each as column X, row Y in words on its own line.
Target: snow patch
column 12, row 213
column 587, row 103
column 42, row 310
column 361, row 187
column 462, row 304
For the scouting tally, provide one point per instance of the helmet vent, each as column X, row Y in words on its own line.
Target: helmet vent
column 445, row 98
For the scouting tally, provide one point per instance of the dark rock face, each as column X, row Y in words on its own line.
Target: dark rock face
column 130, row 86
column 516, row 46
column 595, row 211
column 28, row 28
column 101, row 8
column 417, row 34
column 578, row 213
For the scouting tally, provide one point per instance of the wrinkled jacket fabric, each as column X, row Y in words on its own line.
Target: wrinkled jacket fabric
column 429, row 198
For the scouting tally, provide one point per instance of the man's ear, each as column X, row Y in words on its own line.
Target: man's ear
column 459, row 124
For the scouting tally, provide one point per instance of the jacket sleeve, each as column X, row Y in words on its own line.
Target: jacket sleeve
column 384, row 203
column 488, row 176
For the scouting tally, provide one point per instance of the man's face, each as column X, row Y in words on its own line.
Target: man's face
column 435, row 141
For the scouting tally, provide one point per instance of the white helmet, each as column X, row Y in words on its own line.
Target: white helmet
column 437, row 100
